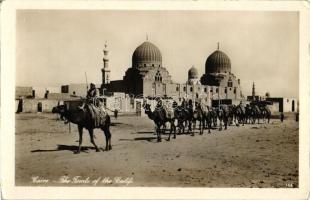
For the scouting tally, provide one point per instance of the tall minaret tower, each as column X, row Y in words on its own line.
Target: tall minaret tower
column 105, row 70
column 253, row 91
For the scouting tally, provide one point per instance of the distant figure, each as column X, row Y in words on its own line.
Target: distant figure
column 297, row 117
column 282, row 116
column 115, row 113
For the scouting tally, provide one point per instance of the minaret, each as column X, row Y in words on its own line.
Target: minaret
column 253, row 91
column 105, row 70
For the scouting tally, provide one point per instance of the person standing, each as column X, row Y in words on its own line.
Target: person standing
column 282, row 117
column 115, row 113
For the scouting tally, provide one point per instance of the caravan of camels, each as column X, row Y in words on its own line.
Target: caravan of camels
column 188, row 114
column 181, row 119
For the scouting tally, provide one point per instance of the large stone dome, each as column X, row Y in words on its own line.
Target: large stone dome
column 218, row 62
column 145, row 55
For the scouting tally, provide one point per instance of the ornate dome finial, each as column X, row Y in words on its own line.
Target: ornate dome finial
column 218, row 46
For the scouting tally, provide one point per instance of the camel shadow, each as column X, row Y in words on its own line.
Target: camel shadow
column 148, row 139
column 145, row 132
column 119, row 123
column 61, row 147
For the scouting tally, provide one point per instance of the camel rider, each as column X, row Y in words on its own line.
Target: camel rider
column 159, row 103
column 190, row 107
column 91, row 94
column 174, row 105
column 184, row 103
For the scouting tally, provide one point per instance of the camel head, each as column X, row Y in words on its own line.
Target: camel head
column 59, row 109
column 147, row 107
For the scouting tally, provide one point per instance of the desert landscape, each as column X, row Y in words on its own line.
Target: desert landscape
column 255, row 155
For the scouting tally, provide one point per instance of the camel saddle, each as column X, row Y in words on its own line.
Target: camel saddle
column 169, row 112
column 98, row 114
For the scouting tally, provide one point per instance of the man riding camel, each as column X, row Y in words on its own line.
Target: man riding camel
column 91, row 94
column 95, row 106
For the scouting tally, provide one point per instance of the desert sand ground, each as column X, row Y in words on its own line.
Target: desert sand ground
column 259, row 155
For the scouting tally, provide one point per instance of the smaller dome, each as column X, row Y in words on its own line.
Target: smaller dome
column 192, row 73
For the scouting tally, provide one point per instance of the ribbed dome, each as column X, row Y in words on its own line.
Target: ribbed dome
column 218, row 62
column 192, row 73
column 147, row 54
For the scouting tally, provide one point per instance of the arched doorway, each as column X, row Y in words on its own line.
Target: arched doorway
column 293, row 106
column 39, row 107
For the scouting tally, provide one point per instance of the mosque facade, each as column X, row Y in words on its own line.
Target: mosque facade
column 148, row 77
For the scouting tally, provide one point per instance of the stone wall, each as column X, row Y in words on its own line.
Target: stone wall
column 23, row 92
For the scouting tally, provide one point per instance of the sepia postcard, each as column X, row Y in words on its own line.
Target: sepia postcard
column 155, row 99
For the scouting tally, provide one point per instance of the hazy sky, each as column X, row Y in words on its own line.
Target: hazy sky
column 58, row 47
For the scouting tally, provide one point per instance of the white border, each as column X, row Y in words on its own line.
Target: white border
column 9, row 191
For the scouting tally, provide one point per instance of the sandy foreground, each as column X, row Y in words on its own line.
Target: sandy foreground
column 260, row 155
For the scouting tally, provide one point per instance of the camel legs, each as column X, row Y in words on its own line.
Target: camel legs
column 158, row 132
column 193, row 126
column 107, row 133
column 201, row 127
column 181, row 127
column 172, row 128
column 91, row 135
column 225, row 123
column 220, row 125
column 190, row 126
column 80, row 139
column 170, row 132
column 209, row 123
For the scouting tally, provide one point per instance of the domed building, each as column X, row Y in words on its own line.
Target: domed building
column 146, row 55
column 217, row 62
column 148, row 77
column 218, row 76
column 193, row 77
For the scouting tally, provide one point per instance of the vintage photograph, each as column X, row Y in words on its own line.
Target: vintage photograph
column 157, row 98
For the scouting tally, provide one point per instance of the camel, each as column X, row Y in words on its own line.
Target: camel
column 160, row 118
column 213, row 116
column 220, row 115
column 198, row 116
column 257, row 113
column 250, row 114
column 84, row 119
column 224, row 114
column 265, row 113
column 182, row 117
column 240, row 115
column 203, row 115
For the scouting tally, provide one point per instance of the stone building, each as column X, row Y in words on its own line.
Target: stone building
column 148, row 77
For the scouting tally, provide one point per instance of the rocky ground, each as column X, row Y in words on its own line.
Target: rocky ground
column 260, row 155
